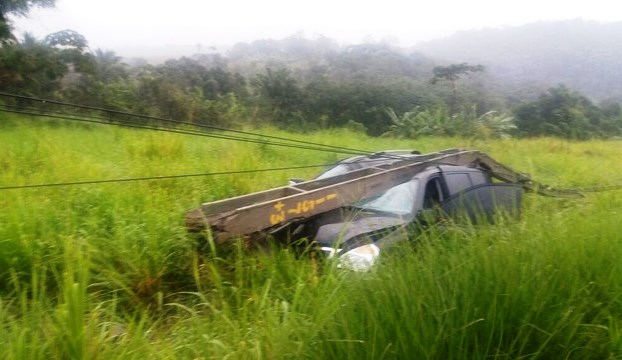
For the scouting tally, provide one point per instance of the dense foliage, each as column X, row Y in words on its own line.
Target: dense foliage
column 301, row 85
column 561, row 112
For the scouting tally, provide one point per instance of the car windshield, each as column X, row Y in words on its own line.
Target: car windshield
column 398, row 200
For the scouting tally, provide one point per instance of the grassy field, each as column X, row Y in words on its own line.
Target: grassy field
column 107, row 271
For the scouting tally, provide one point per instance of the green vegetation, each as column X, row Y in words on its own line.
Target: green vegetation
column 19, row 8
column 303, row 85
column 107, row 271
column 563, row 113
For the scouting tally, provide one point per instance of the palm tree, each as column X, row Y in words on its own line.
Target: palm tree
column 495, row 124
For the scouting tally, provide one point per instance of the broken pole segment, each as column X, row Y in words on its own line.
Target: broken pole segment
column 256, row 212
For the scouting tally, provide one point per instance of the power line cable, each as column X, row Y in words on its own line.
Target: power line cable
column 105, row 121
column 211, row 127
column 125, row 123
column 594, row 189
column 146, row 178
column 88, row 182
column 96, row 120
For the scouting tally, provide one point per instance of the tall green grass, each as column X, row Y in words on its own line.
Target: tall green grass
column 108, row 271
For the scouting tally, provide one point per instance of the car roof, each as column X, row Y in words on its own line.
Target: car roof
column 375, row 159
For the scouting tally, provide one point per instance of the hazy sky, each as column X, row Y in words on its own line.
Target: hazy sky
column 111, row 24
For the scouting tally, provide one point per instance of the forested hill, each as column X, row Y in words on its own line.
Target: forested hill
column 583, row 55
column 533, row 82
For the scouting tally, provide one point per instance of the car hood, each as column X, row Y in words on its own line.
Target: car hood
column 336, row 233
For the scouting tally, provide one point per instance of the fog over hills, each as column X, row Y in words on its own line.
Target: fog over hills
column 521, row 62
column 584, row 55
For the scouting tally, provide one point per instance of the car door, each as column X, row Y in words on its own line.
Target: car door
column 482, row 202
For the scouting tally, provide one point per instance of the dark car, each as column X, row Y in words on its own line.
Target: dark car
column 358, row 232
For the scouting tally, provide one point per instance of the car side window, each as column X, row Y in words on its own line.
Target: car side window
column 478, row 178
column 457, row 182
column 433, row 193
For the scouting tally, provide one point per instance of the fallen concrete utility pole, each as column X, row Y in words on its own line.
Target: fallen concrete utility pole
column 256, row 212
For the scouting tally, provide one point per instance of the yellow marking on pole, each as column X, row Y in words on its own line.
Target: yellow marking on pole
column 302, row 207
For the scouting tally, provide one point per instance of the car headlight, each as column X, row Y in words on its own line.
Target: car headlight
column 361, row 258
column 330, row 252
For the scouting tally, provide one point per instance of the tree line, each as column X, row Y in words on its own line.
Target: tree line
column 300, row 85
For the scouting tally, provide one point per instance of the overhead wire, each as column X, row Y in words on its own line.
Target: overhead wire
column 146, row 178
column 89, row 118
column 101, row 120
column 129, row 124
column 177, row 122
column 164, row 177
column 594, row 189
